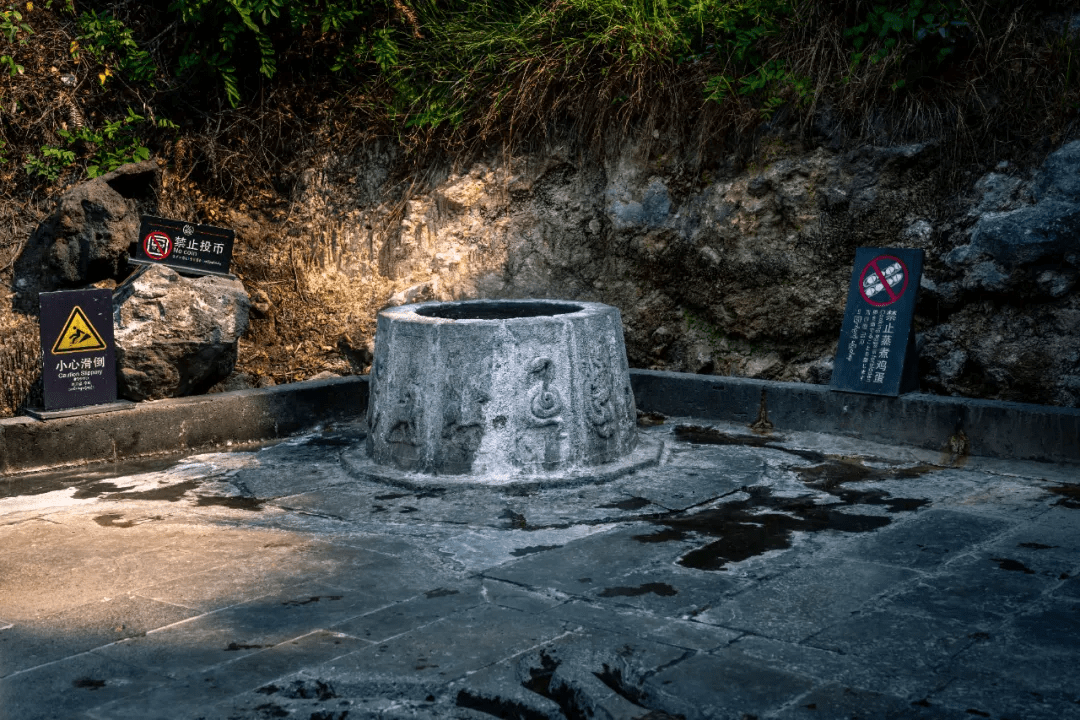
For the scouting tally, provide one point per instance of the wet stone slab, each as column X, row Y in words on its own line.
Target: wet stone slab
column 785, row 575
column 931, row 539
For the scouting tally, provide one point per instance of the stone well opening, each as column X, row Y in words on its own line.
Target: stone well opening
column 496, row 310
column 500, row 392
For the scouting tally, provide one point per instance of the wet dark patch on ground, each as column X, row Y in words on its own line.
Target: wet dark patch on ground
column 634, row 503
column 532, row 549
column 392, row 496
column 113, row 520
column 699, row 435
column 333, row 441
column 837, row 471
column 1070, row 495
column 650, row 419
column 82, row 477
column 309, row 600
column 1036, row 546
column 440, row 592
column 1014, row 565
column 744, row 531
column 87, row 683
column 233, row 647
column 661, row 589
column 236, row 502
column 301, row 690
column 97, row 490
column 169, row 493
column 830, row 475
column 711, row 436
column 514, row 520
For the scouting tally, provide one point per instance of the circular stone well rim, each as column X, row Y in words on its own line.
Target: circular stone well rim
column 507, row 454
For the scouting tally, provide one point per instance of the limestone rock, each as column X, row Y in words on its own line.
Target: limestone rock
column 242, row 381
column 174, row 335
column 1047, row 231
column 1012, row 234
column 1059, row 177
column 88, row 236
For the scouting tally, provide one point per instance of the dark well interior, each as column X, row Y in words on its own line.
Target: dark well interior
column 496, row 310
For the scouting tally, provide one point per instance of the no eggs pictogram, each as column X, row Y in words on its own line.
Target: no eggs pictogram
column 157, row 245
column 883, row 280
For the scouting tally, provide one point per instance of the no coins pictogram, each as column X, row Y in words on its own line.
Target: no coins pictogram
column 157, row 245
column 883, row 280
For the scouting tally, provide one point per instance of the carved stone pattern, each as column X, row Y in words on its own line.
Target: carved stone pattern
column 598, row 408
column 544, row 400
column 401, row 429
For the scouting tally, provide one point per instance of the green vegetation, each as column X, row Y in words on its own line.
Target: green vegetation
column 110, row 43
column 13, row 29
column 468, row 71
column 105, row 149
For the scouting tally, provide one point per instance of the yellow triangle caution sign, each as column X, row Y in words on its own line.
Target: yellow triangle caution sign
column 78, row 335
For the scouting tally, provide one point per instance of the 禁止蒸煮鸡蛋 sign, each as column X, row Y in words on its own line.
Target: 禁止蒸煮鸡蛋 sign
column 876, row 352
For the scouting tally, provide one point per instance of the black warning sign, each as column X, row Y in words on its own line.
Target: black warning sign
column 78, row 355
column 876, row 353
column 187, row 247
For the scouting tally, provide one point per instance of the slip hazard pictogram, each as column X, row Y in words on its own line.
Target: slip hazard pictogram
column 883, row 280
column 78, row 335
column 157, row 245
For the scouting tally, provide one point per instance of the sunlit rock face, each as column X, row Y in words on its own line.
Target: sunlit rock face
column 503, row 390
column 723, row 264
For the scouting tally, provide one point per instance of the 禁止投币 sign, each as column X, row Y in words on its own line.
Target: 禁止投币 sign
column 876, row 353
column 184, row 246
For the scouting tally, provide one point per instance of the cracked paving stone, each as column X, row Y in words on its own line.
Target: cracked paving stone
column 928, row 540
column 722, row 685
column 804, row 601
column 425, row 660
column 547, row 601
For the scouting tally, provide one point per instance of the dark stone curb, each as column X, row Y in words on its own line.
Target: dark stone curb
column 992, row 429
column 180, row 425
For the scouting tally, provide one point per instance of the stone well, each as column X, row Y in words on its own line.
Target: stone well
column 500, row 392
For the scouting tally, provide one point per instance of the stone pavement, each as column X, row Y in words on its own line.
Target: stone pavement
column 794, row 576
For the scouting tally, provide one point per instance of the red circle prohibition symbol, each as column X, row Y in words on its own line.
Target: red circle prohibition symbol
column 883, row 280
column 157, row 245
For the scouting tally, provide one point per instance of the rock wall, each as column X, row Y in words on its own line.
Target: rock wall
column 732, row 269
column 731, row 266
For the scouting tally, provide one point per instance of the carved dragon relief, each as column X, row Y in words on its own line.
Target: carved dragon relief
column 540, row 439
column 544, row 401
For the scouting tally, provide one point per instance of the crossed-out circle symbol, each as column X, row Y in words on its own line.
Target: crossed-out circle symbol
column 157, row 245
column 880, row 279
